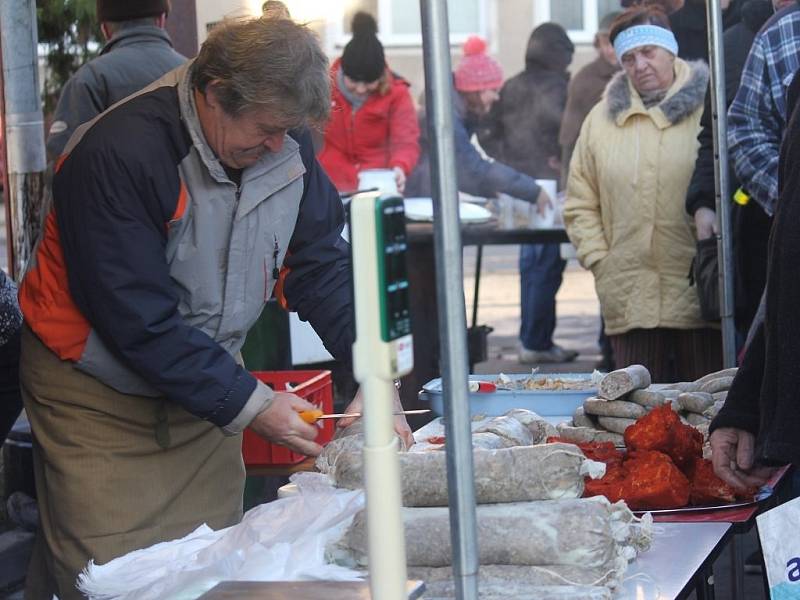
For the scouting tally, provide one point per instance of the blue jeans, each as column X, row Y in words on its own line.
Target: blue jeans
column 541, row 271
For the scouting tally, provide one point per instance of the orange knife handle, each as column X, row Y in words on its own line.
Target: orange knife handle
column 310, row 416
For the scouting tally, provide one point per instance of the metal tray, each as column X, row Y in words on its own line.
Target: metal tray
column 765, row 492
column 546, row 403
column 692, row 509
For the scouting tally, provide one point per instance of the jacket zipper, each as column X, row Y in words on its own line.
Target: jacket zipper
column 276, row 273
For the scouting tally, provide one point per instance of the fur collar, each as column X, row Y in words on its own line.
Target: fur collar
column 675, row 107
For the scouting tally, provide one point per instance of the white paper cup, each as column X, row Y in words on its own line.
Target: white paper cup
column 383, row 179
column 548, row 219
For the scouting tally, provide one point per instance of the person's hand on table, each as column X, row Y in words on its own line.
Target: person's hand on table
column 732, row 454
column 281, row 424
column 705, row 221
column 543, row 203
column 400, row 179
column 401, row 427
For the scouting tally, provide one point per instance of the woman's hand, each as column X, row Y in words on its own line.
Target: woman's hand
column 400, row 179
column 401, row 427
column 705, row 221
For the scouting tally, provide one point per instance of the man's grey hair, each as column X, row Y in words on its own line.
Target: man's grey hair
column 273, row 64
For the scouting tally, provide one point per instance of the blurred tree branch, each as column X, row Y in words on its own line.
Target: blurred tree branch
column 71, row 34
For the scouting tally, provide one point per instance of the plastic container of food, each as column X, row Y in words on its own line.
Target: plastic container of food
column 545, row 401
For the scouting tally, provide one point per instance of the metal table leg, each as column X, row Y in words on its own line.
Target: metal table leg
column 478, row 265
column 704, row 589
column 737, row 568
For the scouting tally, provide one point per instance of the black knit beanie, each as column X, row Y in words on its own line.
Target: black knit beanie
column 126, row 10
column 363, row 58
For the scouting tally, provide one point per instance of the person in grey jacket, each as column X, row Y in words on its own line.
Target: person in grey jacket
column 176, row 215
column 138, row 52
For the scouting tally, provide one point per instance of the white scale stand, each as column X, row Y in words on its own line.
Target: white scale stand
column 382, row 352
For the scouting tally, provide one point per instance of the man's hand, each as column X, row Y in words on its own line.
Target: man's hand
column 705, row 221
column 400, row 179
column 281, row 424
column 732, row 454
column 401, row 427
column 543, row 203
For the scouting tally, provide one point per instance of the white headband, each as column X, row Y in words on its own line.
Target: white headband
column 645, row 35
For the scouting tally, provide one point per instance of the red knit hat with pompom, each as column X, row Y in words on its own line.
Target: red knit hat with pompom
column 476, row 71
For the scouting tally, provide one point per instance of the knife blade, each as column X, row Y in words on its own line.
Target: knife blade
column 311, row 416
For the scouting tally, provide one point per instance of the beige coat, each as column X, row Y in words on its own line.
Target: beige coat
column 625, row 202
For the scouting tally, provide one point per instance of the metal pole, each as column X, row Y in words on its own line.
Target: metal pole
column 721, row 171
column 450, row 294
column 24, row 125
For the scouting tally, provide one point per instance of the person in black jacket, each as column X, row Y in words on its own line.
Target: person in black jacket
column 757, row 427
column 521, row 130
column 689, row 24
column 687, row 19
column 751, row 224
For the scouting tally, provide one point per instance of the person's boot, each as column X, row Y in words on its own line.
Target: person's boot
column 23, row 511
column 556, row 354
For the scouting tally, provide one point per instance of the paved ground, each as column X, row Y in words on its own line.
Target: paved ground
column 577, row 308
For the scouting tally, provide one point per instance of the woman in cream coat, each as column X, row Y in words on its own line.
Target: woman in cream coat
column 625, row 196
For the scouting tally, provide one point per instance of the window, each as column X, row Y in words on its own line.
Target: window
column 578, row 17
column 399, row 20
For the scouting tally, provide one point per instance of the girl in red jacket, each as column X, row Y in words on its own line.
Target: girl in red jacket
column 373, row 122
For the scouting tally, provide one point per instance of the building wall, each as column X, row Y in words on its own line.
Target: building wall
column 182, row 26
column 509, row 24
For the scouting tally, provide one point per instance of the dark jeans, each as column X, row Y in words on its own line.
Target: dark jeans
column 541, row 271
column 10, row 399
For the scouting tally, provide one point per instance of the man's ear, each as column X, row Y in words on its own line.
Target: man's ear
column 210, row 94
column 105, row 30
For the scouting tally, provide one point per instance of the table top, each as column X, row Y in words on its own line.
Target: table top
column 488, row 234
column 299, row 590
column 678, row 553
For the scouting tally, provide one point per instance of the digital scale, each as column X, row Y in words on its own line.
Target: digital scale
column 383, row 351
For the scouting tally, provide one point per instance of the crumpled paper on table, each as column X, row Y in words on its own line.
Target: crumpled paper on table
column 283, row 540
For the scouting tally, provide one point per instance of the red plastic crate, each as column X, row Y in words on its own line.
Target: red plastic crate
column 314, row 386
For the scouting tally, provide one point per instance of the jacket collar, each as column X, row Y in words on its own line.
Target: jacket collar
column 683, row 98
column 136, row 34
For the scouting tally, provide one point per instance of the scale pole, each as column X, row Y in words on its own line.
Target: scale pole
column 450, row 296
column 719, row 118
column 383, row 350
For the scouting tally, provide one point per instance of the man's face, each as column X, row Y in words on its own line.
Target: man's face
column 239, row 141
column 781, row 4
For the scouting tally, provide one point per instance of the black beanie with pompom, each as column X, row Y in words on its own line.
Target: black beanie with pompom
column 363, row 59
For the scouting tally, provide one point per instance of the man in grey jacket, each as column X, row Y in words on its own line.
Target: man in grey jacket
column 138, row 52
column 176, row 215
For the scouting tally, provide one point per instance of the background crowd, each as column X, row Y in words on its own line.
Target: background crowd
column 629, row 140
